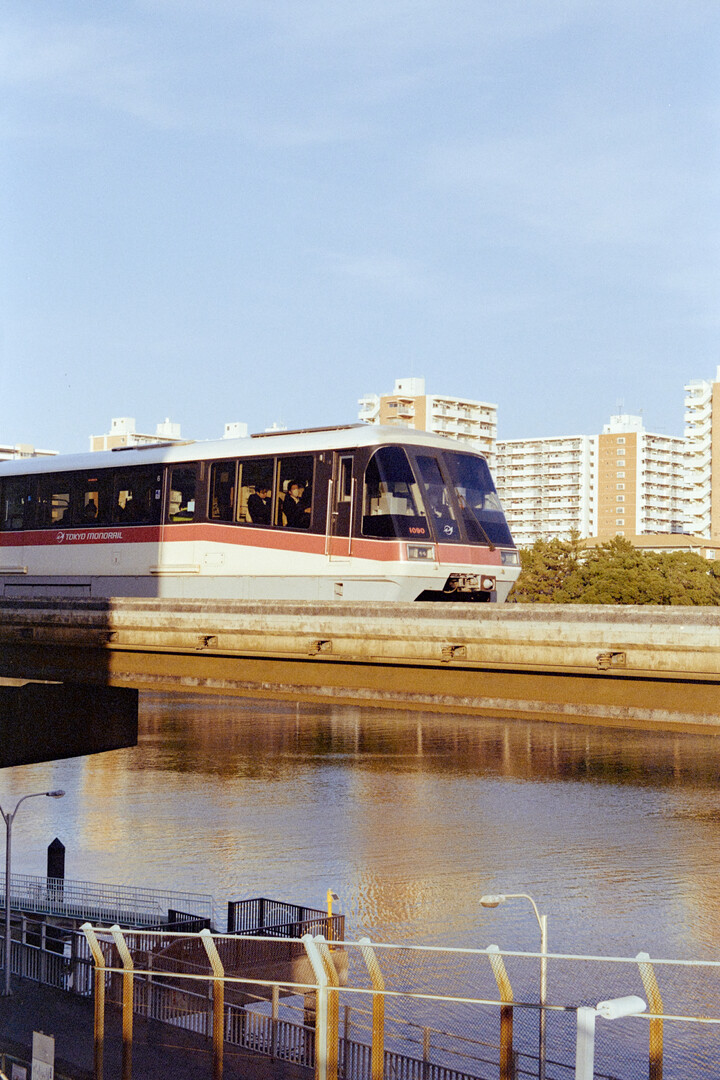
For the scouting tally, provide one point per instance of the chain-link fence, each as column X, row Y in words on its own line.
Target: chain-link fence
column 367, row 1011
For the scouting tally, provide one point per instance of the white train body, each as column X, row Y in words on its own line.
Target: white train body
column 356, row 513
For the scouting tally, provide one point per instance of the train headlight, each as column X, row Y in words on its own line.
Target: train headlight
column 421, row 551
column 487, row 583
column 510, row 558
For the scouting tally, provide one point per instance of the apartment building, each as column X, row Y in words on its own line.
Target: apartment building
column 469, row 421
column 702, row 443
column 624, row 481
column 547, row 486
column 642, row 486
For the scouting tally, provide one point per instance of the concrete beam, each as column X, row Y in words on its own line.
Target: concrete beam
column 48, row 721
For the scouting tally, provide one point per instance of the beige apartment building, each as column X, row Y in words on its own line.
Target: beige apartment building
column 702, row 442
column 469, row 421
column 642, row 486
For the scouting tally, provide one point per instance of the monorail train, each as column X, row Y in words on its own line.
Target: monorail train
column 350, row 513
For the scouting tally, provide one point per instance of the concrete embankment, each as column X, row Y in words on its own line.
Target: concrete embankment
column 628, row 666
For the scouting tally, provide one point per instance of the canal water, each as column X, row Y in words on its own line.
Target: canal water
column 409, row 817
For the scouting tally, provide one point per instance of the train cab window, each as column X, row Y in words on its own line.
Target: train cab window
column 256, row 487
column 17, row 504
column 437, row 499
column 294, row 492
column 392, row 503
column 223, row 476
column 183, row 482
column 481, row 509
column 137, row 495
column 54, row 509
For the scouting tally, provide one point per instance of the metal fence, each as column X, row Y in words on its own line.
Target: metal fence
column 275, row 918
column 101, row 903
column 366, row 1011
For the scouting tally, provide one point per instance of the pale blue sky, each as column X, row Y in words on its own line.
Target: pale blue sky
column 259, row 210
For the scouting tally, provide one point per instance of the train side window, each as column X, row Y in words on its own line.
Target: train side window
column 17, row 503
column 223, row 475
column 294, row 490
column 137, row 495
column 183, row 482
column 392, row 503
column 345, row 480
column 54, row 509
column 93, row 499
column 256, row 486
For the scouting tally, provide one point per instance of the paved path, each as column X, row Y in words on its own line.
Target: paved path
column 160, row 1051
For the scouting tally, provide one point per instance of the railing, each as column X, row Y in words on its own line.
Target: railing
column 276, row 918
column 101, row 903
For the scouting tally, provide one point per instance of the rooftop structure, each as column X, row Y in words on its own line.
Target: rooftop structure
column 22, row 450
column 123, row 433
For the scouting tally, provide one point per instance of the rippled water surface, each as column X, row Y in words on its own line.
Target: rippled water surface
column 410, row 818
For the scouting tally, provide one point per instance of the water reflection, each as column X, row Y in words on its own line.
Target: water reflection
column 409, row 817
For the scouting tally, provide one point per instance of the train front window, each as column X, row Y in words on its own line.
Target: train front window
column 437, row 499
column 482, row 512
column 392, row 503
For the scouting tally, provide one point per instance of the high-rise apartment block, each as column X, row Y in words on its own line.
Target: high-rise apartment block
column 641, row 480
column 625, row 481
column 473, row 422
column 547, row 486
column 702, row 443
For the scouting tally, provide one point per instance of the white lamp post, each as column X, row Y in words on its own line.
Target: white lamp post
column 492, row 901
column 9, row 817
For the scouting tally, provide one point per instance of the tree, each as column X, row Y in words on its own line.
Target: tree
column 561, row 572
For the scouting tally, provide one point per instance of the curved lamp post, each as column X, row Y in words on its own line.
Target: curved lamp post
column 492, row 901
column 9, row 817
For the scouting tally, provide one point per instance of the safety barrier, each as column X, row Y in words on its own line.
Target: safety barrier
column 410, row 1013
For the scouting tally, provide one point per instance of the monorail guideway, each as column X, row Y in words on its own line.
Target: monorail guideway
column 357, row 513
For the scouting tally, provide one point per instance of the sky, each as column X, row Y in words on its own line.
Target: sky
column 260, row 210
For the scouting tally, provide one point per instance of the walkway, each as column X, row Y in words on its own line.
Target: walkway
column 159, row 1051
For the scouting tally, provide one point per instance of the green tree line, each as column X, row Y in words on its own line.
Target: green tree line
column 565, row 572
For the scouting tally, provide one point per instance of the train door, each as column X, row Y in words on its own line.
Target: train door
column 341, row 505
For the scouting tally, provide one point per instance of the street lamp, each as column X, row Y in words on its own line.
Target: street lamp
column 9, row 817
column 492, row 901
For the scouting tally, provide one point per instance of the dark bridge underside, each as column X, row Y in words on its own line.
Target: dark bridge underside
column 45, row 722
